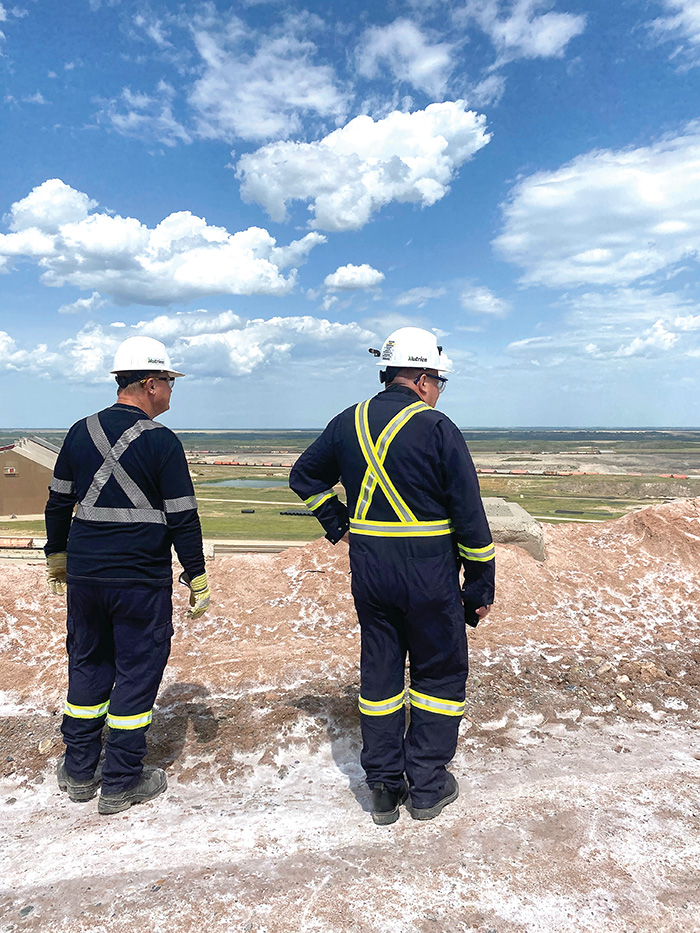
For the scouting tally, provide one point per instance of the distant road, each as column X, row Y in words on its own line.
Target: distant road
column 248, row 501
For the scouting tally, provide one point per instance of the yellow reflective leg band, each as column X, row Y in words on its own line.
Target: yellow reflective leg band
column 381, row 707
column 130, row 722
column 85, row 712
column 436, row 704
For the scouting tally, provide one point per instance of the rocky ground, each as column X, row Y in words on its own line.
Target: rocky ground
column 579, row 758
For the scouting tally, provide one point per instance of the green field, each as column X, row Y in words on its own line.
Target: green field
column 555, row 498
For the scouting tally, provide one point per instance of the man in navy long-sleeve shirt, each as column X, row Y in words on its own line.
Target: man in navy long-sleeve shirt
column 415, row 518
column 127, row 479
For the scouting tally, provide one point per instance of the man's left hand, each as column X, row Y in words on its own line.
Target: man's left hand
column 199, row 594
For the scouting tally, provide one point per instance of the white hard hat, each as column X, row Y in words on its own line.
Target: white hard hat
column 412, row 347
column 142, row 354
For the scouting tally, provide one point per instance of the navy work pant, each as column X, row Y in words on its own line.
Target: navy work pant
column 409, row 605
column 118, row 645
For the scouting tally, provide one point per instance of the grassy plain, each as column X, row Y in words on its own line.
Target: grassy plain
column 605, row 495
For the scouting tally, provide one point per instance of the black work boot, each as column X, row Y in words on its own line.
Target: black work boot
column 78, row 791
column 152, row 782
column 386, row 803
column 449, row 794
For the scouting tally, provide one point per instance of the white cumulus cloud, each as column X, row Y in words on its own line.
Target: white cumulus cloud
column 607, row 217
column 418, row 296
column 200, row 344
column 656, row 338
column 182, row 258
column 524, row 28
column 350, row 278
column 93, row 303
column 477, row 299
column 148, row 115
column 258, row 87
column 410, row 56
column 358, row 169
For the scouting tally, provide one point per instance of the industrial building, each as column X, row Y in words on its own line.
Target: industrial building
column 26, row 468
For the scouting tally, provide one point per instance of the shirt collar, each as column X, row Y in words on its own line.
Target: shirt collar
column 397, row 388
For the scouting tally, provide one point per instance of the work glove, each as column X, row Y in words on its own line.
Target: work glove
column 56, row 573
column 199, row 594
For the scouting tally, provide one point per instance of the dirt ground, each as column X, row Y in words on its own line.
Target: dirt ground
column 578, row 762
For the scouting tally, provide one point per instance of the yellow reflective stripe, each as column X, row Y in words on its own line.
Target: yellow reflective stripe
column 488, row 552
column 381, row 707
column 401, row 529
column 387, row 435
column 85, row 712
column 375, row 456
column 313, row 502
column 388, row 488
column 130, row 722
column 436, row 704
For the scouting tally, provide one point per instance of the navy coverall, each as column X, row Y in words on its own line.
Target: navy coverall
column 415, row 515
column 131, row 483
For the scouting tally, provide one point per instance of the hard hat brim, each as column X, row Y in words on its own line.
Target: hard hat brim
column 168, row 372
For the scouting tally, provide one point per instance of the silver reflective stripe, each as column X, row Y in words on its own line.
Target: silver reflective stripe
column 182, row 504
column 400, row 529
column 381, row 707
column 85, row 712
column 111, row 466
column 130, row 722
column 436, row 704
column 313, row 502
column 143, row 511
column 488, row 552
column 66, row 486
column 94, row 513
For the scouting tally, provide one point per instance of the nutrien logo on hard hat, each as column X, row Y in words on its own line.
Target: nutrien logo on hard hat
column 388, row 351
column 152, row 359
column 418, row 359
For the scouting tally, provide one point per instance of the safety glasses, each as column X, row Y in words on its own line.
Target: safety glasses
column 441, row 381
column 169, row 379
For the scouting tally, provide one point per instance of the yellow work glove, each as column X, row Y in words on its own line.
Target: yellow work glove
column 199, row 594
column 56, row 573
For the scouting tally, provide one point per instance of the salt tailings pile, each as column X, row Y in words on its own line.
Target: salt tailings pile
column 578, row 761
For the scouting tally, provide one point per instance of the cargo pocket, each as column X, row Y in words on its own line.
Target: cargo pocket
column 434, row 579
column 70, row 634
column 163, row 632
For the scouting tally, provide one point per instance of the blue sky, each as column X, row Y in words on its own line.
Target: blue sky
column 270, row 188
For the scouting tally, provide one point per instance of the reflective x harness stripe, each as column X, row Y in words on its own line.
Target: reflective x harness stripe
column 141, row 509
column 376, row 475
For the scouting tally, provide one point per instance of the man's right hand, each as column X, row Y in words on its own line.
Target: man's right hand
column 56, row 572
column 473, row 616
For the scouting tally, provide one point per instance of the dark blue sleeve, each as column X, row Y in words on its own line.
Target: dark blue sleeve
column 313, row 477
column 180, row 507
column 466, row 513
column 58, row 513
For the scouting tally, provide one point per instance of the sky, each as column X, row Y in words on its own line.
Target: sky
column 271, row 188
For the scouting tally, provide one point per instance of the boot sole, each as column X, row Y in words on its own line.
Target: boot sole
column 386, row 817
column 78, row 796
column 107, row 807
column 429, row 813
column 84, row 791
